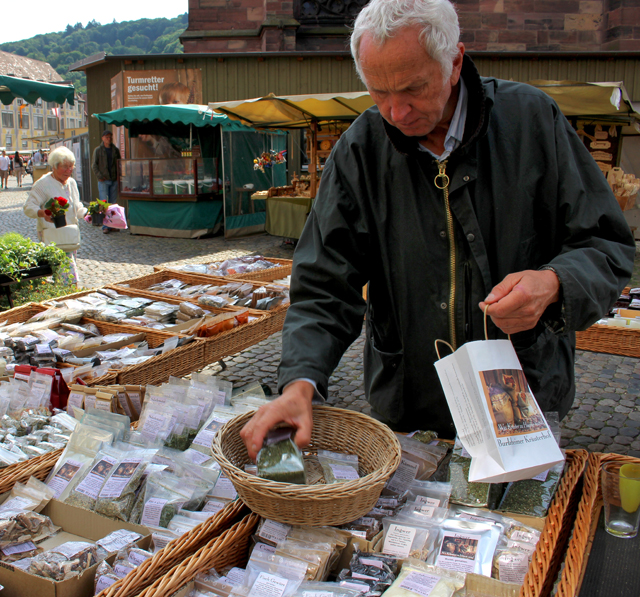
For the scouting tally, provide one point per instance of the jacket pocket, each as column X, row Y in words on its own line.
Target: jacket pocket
column 384, row 378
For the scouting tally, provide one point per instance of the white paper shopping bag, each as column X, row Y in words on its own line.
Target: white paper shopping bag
column 496, row 416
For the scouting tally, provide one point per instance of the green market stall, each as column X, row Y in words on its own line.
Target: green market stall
column 192, row 171
column 31, row 91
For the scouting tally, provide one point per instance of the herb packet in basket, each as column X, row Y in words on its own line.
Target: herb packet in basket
column 496, row 416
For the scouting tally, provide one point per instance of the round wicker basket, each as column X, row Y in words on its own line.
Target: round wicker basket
column 334, row 429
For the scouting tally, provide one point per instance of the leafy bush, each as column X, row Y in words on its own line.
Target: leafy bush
column 20, row 253
column 36, row 291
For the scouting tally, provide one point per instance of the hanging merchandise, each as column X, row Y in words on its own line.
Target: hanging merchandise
column 267, row 159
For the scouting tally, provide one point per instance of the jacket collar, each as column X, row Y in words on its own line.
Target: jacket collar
column 478, row 110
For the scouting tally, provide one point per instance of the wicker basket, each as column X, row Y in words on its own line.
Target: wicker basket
column 175, row 552
column 584, row 530
column 267, row 275
column 546, row 560
column 228, row 550
column 334, row 429
column 610, row 339
column 38, row 467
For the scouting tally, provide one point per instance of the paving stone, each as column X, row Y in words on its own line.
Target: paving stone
column 601, row 408
column 605, row 439
column 590, row 432
column 610, row 431
column 583, row 440
column 630, row 431
column 634, row 453
column 596, row 447
column 594, row 424
column 622, row 439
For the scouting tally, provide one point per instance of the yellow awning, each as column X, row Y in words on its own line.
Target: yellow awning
column 296, row 111
column 576, row 98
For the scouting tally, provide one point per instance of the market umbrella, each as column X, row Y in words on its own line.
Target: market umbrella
column 31, row 91
column 576, row 98
column 141, row 119
column 296, row 111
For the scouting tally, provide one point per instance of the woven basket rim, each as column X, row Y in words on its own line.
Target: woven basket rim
column 294, row 492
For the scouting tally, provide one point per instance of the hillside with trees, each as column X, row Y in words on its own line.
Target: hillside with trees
column 144, row 36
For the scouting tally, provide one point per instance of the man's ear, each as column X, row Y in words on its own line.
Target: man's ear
column 457, row 65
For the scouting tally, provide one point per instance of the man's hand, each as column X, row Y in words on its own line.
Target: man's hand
column 518, row 302
column 293, row 408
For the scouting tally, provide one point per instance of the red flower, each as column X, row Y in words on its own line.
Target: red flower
column 61, row 200
column 47, row 212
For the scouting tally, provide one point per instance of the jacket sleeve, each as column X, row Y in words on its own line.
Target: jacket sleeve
column 596, row 257
column 329, row 271
column 81, row 210
column 34, row 202
column 94, row 163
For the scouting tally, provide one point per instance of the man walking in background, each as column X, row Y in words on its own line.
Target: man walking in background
column 104, row 166
column 5, row 163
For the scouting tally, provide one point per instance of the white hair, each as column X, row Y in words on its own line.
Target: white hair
column 60, row 156
column 437, row 19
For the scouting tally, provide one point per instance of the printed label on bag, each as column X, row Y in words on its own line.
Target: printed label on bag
column 18, row 548
column 316, row 594
column 224, row 488
column 135, row 400
column 64, row 476
column 427, row 501
column 513, row 567
column 458, row 552
column 136, row 558
column 274, row 531
column 119, row 478
column 420, row 583
column 263, row 547
column 92, row 483
column 76, row 399
column 235, row 576
column 197, row 457
column 371, row 562
column 117, row 540
column 476, row 518
column 268, row 585
column 104, row 582
column 214, row 506
column 404, row 476
column 427, row 511
column 205, row 436
column 16, row 503
column 344, row 473
column 122, row 569
column 398, row 540
column 152, row 512
column 541, row 476
column 528, row 547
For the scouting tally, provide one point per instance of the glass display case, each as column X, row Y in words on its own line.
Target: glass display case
column 173, row 179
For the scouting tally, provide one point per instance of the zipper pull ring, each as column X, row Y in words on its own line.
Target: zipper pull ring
column 441, row 180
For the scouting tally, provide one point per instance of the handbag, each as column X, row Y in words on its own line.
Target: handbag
column 67, row 238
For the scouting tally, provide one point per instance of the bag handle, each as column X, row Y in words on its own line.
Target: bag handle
column 486, row 335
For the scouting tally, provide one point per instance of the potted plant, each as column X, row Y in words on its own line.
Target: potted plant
column 56, row 208
column 96, row 211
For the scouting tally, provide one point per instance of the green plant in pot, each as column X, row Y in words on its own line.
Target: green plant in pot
column 18, row 255
column 56, row 209
column 96, row 211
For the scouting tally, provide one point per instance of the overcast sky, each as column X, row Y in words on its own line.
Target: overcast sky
column 24, row 20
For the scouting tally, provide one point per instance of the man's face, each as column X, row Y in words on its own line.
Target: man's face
column 407, row 84
column 106, row 139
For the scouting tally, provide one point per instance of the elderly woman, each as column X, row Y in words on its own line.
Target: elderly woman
column 58, row 183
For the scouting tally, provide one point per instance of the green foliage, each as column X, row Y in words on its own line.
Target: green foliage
column 20, row 253
column 36, row 291
column 61, row 49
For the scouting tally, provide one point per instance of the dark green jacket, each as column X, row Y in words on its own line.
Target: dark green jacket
column 100, row 163
column 524, row 193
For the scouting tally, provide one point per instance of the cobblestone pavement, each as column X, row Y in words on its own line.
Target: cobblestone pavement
column 605, row 415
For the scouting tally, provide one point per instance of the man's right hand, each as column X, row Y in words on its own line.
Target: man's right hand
column 293, row 407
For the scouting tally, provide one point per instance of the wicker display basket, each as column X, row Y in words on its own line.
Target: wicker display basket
column 584, row 530
column 176, row 552
column 228, row 550
column 547, row 558
column 334, row 429
column 20, row 472
column 267, row 275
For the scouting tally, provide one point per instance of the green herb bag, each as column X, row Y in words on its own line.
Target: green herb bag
column 280, row 459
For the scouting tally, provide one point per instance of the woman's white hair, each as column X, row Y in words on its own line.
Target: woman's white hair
column 437, row 20
column 60, row 156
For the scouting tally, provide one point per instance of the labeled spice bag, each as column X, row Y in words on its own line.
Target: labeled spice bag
column 418, row 578
column 404, row 538
column 272, row 532
column 280, row 459
column 465, row 546
column 317, row 556
column 429, row 493
column 510, row 564
column 83, row 493
column 377, row 572
column 19, row 551
column 128, row 559
column 164, row 495
column 220, row 415
column 34, row 495
column 267, row 573
column 65, row 561
column 118, row 494
column 324, row 589
column 105, row 577
column 20, row 526
column 338, row 467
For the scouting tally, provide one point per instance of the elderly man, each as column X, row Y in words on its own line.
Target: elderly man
column 5, row 165
column 455, row 193
column 105, row 166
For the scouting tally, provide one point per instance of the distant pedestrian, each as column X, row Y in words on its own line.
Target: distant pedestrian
column 5, row 164
column 18, row 167
column 105, row 166
column 37, row 158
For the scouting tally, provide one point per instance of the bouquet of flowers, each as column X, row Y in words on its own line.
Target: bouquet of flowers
column 268, row 159
column 98, row 207
column 56, row 206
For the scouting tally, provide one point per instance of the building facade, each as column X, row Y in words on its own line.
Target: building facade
column 487, row 25
column 25, row 126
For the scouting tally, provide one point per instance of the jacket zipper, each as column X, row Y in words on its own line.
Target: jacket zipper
column 442, row 182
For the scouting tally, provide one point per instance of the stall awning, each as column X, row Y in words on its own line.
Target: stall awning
column 31, row 91
column 576, row 98
column 173, row 114
column 296, row 111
